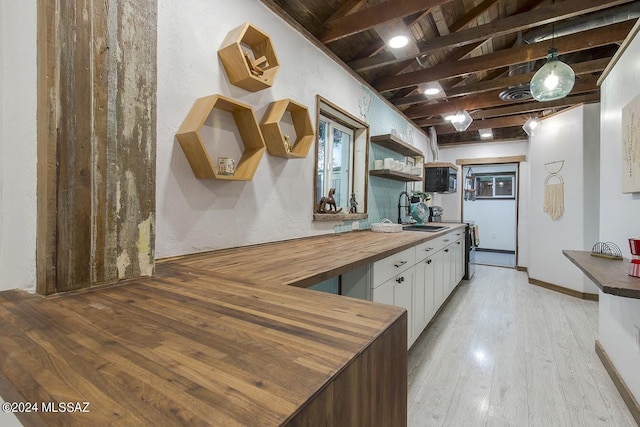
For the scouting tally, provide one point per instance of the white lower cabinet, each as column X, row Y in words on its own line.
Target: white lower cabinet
column 438, row 277
column 423, row 278
column 424, row 302
column 399, row 291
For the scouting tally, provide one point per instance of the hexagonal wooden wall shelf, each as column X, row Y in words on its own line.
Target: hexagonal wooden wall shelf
column 249, row 58
column 194, row 148
column 275, row 139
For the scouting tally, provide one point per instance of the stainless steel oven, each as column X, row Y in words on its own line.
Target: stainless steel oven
column 471, row 242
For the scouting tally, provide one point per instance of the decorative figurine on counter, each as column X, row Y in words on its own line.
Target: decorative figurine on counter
column 328, row 201
column 287, row 145
column 353, row 205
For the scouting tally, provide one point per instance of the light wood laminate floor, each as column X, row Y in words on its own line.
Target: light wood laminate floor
column 505, row 353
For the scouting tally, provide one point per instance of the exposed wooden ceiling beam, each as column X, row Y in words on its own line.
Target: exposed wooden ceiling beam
column 500, row 122
column 346, row 8
column 515, row 133
column 579, row 68
column 524, row 21
column 508, row 25
column 533, row 106
column 387, row 58
column 485, row 100
column 472, row 15
column 522, row 108
column 381, row 13
column 614, row 33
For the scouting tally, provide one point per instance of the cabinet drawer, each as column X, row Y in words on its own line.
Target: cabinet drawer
column 457, row 234
column 426, row 249
column 388, row 267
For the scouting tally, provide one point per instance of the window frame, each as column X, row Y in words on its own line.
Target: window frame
column 509, row 175
column 359, row 160
column 329, row 145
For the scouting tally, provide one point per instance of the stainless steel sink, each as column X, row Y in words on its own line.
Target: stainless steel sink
column 424, row 227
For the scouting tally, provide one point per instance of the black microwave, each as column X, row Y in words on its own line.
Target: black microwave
column 440, row 179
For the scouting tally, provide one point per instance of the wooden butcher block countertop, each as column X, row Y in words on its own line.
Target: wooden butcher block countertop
column 611, row 276
column 307, row 261
column 211, row 339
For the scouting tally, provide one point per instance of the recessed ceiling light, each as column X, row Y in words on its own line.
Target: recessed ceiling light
column 398, row 42
column 432, row 91
column 486, row 133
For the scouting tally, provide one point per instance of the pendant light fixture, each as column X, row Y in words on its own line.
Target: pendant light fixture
column 530, row 125
column 555, row 79
column 460, row 120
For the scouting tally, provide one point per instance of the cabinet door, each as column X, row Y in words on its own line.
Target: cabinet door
column 398, row 291
column 446, row 276
column 438, row 278
column 419, row 300
column 403, row 297
column 384, row 293
column 460, row 260
column 428, row 271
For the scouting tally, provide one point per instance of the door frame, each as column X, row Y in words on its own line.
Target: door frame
column 496, row 161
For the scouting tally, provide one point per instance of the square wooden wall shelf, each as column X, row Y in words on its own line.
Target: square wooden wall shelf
column 249, row 58
column 274, row 137
column 194, row 148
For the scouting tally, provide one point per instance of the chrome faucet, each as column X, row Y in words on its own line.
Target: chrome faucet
column 400, row 205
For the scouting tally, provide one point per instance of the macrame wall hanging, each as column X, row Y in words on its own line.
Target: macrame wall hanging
column 554, row 190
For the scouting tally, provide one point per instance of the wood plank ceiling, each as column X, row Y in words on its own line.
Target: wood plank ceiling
column 481, row 53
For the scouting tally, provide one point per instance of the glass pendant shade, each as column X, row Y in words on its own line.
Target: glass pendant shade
column 530, row 125
column 554, row 80
column 461, row 120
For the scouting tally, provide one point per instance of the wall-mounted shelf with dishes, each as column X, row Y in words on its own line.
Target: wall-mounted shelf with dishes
column 394, row 143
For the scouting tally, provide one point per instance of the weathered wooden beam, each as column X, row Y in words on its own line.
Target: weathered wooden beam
column 579, row 68
column 75, row 130
column 365, row 19
column 589, row 39
column 134, row 133
column 48, row 67
column 96, row 142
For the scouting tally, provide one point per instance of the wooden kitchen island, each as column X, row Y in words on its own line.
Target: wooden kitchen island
column 215, row 339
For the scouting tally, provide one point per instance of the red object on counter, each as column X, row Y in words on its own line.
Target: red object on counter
column 634, row 246
column 634, row 268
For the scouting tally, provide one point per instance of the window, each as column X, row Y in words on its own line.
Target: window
column 341, row 159
column 335, row 149
column 495, row 186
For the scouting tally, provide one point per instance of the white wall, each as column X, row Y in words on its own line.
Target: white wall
column 196, row 215
column 496, row 218
column 562, row 137
column 18, row 150
column 192, row 215
column 452, row 203
column 619, row 213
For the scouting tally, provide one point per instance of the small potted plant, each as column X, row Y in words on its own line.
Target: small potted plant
column 419, row 196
